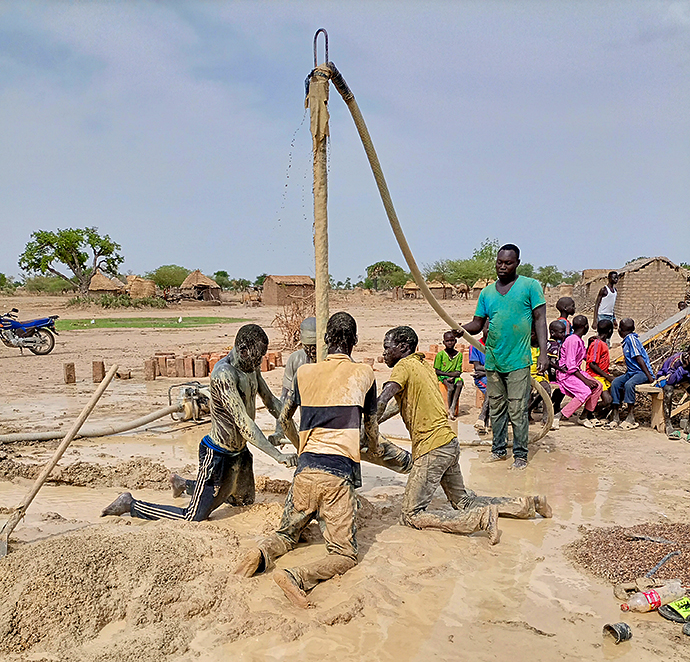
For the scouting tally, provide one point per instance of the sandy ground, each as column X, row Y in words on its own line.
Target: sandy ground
column 79, row 587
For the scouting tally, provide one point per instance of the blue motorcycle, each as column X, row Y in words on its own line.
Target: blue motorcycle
column 38, row 336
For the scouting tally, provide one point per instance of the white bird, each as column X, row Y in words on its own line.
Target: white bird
column 93, row 321
column 179, row 320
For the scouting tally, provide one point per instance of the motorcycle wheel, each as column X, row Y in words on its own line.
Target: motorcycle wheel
column 47, row 342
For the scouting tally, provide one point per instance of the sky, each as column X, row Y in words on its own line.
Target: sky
column 178, row 128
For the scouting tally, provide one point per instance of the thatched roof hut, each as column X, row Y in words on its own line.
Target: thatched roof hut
column 101, row 284
column 479, row 286
column 410, row 290
column 201, row 287
column 140, row 288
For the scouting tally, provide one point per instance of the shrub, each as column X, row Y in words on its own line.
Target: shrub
column 118, row 301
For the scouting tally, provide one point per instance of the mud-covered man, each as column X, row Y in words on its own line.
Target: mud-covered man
column 225, row 463
column 336, row 398
column 435, row 449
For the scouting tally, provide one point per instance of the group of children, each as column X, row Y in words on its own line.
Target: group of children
column 594, row 390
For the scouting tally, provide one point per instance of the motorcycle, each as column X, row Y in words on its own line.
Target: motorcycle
column 38, row 336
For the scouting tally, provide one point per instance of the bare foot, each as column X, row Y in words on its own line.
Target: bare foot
column 120, row 506
column 178, row 484
column 292, row 592
column 542, row 506
column 249, row 563
column 490, row 524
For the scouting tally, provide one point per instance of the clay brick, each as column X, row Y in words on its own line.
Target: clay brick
column 150, row 370
column 429, row 356
column 201, row 367
column 279, row 359
column 98, row 371
column 162, row 369
column 479, row 399
column 188, row 366
column 170, row 367
column 179, row 366
column 264, row 364
column 466, row 365
column 123, row 374
column 212, row 362
column 369, row 360
column 435, row 349
column 69, row 373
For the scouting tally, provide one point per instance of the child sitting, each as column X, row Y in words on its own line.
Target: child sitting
column 598, row 360
column 639, row 371
column 448, row 367
column 572, row 381
column 566, row 307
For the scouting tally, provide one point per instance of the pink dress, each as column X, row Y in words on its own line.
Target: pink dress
column 573, row 352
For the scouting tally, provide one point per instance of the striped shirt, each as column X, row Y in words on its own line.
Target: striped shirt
column 632, row 347
column 332, row 396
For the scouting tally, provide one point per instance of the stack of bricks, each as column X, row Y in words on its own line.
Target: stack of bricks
column 168, row 364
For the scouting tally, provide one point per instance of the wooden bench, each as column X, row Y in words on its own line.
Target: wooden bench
column 658, row 423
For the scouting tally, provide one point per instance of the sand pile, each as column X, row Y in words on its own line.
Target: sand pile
column 137, row 473
column 162, row 582
column 617, row 553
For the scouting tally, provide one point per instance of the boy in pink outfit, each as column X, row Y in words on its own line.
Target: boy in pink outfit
column 572, row 381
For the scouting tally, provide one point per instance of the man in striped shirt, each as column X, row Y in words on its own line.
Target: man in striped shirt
column 225, row 463
column 336, row 396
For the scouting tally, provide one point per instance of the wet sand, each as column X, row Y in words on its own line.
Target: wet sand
column 82, row 587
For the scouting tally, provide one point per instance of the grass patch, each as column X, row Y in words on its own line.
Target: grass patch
column 143, row 323
column 117, row 301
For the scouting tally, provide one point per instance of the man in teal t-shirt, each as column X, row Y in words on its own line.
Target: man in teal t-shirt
column 512, row 305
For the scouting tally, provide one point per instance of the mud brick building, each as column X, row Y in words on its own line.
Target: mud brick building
column 649, row 290
column 280, row 290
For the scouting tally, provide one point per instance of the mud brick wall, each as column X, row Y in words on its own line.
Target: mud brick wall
column 650, row 294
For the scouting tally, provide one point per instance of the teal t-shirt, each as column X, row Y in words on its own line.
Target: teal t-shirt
column 510, row 323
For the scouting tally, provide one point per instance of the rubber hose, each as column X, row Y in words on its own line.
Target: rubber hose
column 95, row 431
column 349, row 98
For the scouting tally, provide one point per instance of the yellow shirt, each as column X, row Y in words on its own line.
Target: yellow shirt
column 332, row 396
column 533, row 368
column 421, row 405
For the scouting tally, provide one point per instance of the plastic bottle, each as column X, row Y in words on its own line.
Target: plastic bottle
column 654, row 598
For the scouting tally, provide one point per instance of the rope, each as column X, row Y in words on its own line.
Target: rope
column 349, row 98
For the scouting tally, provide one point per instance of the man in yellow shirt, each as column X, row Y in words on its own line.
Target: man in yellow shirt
column 435, row 449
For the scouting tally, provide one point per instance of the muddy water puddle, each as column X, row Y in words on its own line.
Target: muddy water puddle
column 416, row 595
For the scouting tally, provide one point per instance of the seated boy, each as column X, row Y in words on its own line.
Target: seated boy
column 553, row 350
column 566, row 307
column 598, row 359
column 639, row 371
column 448, row 367
column 674, row 371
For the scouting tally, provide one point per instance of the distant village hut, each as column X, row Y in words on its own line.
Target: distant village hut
column 441, row 290
column 200, row 287
column 649, row 290
column 410, row 290
column 140, row 288
column 281, row 290
column 479, row 286
column 101, row 284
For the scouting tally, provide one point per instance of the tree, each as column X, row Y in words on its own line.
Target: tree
column 259, row 282
column 223, row 280
column 240, row 284
column 81, row 250
column 168, row 275
column 386, row 275
column 549, row 275
column 571, row 277
column 526, row 269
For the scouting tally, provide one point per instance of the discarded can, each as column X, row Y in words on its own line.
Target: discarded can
column 619, row 631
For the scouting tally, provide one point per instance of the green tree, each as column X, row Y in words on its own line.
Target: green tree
column 240, row 284
column 259, row 281
column 526, row 269
column 482, row 265
column 571, row 277
column 81, row 250
column 223, row 280
column 549, row 275
column 385, row 275
column 168, row 275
